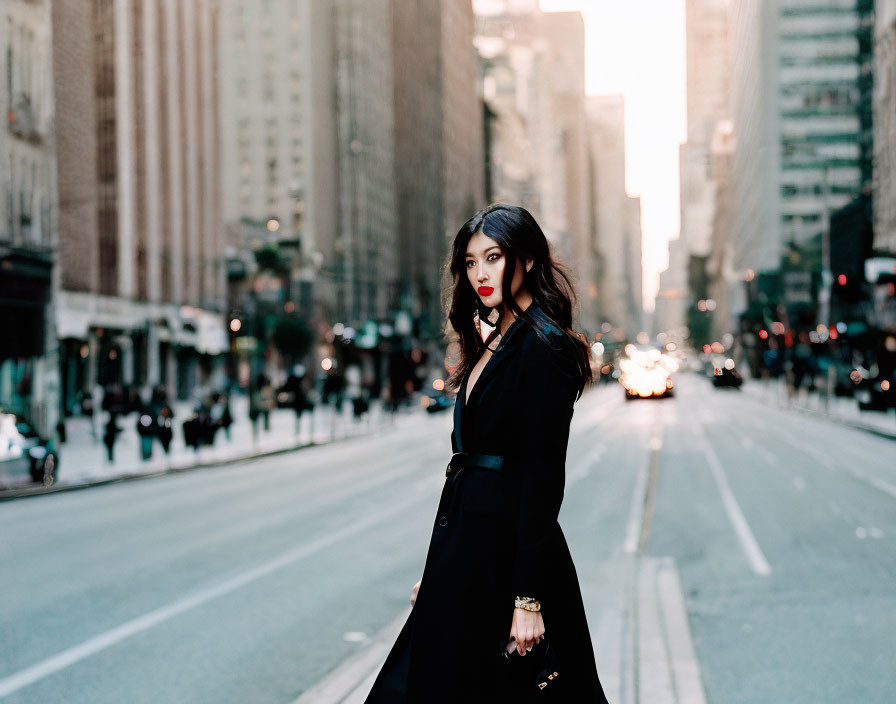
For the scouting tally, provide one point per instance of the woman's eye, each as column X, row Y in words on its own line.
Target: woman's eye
column 488, row 259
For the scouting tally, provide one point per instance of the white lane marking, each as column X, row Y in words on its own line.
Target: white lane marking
column 806, row 447
column 876, row 533
column 636, row 512
column 100, row 642
column 859, row 474
column 682, row 657
column 767, row 455
column 885, row 487
column 799, row 483
column 655, row 678
column 861, row 533
column 748, row 542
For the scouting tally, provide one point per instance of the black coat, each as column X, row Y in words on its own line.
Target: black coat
column 496, row 536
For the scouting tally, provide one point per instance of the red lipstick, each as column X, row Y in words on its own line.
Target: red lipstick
column 485, row 290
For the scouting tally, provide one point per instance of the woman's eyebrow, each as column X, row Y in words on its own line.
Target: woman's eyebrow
column 494, row 246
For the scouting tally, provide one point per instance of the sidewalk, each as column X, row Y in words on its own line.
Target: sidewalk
column 83, row 460
column 639, row 629
column 839, row 409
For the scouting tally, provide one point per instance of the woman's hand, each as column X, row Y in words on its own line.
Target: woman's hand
column 527, row 628
column 414, row 592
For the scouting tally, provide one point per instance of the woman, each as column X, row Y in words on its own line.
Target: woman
column 498, row 566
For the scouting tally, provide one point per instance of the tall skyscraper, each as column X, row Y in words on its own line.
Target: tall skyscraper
column 141, row 244
column 533, row 67
column 796, row 87
column 278, row 126
column 616, row 217
column 29, row 379
column 438, row 147
column 706, row 36
column 885, row 127
column 366, row 238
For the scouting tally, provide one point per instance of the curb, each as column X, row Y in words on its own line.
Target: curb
column 880, row 432
column 11, row 494
column 833, row 417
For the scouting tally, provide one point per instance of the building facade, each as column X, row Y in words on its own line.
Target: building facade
column 366, row 236
column 616, row 217
column 278, row 136
column 806, row 60
column 142, row 288
column 885, row 128
column 29, row 372
column 534, row 88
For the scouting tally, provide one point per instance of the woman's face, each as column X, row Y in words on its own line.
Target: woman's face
column 485, row 262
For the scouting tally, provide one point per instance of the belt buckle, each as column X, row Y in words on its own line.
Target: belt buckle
column 451, row 462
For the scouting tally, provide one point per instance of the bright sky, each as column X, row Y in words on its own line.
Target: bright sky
column 637, row 48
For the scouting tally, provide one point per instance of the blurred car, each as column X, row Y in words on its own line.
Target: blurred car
column 24, row 453
column 724, row 374
column 434, row 398
column 646, row 372
column 438, row 403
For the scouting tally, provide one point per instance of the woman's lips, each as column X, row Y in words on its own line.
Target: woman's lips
column 485, row 290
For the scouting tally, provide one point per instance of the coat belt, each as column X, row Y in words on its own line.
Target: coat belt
column 474, row 459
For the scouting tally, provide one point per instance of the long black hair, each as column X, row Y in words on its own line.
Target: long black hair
column 514, row 229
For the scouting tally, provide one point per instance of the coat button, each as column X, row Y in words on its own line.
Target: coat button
column 443, row 521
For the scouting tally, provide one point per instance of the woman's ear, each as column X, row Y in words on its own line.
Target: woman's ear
column 529, row 264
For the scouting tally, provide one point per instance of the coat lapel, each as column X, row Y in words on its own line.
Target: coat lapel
column 494, row 362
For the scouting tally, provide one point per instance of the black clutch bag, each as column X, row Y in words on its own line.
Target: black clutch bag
column 539, row 666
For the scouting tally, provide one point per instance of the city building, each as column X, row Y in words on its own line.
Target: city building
column 438, row 148
column 706, row 40
column 884, row 105
column 278, row 138
column 616, row 219
column 463, row 122
column 142, row 271
column 29, row 369
column 534, row 87
column 810, row 155
column 882, row 273
column 363, row 259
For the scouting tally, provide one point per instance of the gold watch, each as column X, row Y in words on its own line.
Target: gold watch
column 527, row 603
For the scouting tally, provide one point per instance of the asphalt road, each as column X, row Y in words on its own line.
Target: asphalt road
column 252, row 582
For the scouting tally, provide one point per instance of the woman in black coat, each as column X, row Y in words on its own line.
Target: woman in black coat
column 498, row 566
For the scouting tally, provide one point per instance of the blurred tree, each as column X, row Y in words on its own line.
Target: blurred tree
column 269, row 258
column 292, row 336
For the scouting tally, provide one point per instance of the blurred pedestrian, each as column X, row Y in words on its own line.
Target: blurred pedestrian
column 165, row 427
column 267, row 400
column 296, row 396
column 220, row 413
column 110, row 435
column 146, row 429
column 207, row 425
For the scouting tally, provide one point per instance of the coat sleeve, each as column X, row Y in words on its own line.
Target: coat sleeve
column 548, row 394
